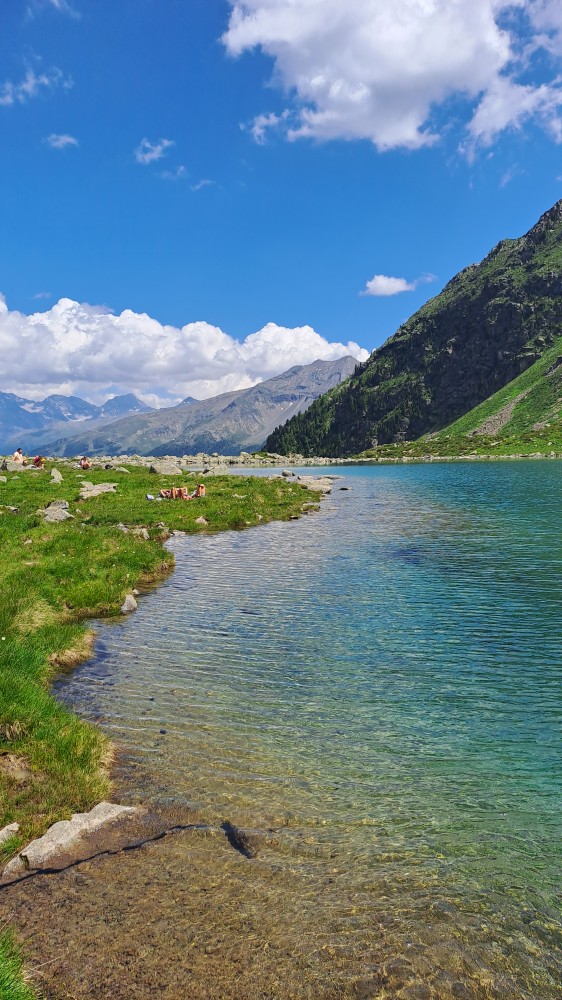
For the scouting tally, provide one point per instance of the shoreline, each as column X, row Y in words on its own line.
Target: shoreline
column 64, row 619
column 61, row 661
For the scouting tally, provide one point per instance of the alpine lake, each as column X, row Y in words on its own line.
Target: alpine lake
column 373, row 692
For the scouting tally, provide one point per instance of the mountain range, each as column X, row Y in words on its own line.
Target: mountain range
column 30, row 424
column 228, row 423
column 491, row 322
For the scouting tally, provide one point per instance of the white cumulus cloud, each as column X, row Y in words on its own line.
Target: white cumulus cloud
column 386, row 71
column 149, row 152
column 77, row 348
column 384, row 285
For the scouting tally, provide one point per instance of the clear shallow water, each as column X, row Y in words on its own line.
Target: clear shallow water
column 379, row 686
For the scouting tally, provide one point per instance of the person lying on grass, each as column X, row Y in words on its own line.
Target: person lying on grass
column 180, row 492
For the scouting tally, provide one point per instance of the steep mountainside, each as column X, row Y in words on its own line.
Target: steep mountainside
column 30, row 423
column 531, row 402
column 228, row 423
column 489, row 324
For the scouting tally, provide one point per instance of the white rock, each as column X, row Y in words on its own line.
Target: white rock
column 64, row 836
column 129, row 604
column 8, row 832
column 56, row 476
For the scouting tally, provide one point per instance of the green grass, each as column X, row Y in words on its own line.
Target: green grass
column 12, row 983
column 52, row 578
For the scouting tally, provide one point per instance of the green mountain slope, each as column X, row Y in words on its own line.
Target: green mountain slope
column 528, row 403
column 491, row 323
column 523, row 418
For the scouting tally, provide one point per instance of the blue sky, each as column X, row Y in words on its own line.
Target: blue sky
column 201, row 169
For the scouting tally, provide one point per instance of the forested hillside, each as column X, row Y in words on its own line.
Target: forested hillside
column 490, row 323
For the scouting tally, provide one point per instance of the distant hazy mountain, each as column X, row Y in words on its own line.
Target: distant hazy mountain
column 229, row 423
column 29, row 423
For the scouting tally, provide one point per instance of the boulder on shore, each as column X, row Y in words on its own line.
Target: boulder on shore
column 52, row 849
column 166, row 468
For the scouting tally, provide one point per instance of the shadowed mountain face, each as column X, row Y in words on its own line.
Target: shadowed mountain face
column 229, row 423
column 488, row 325
column 29, row 423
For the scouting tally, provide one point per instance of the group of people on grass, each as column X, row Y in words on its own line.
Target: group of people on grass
column 181, row 492
column 173, row 493
column 39, row 460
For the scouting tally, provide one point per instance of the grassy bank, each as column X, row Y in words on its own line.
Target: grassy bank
column 53, row 577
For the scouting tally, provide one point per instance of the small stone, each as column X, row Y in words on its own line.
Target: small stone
column 201, row 520
column 129, row 605
column 8, row 832
column 135, row 593
column 28, row 541
column 141, row 533
column 88, row 490
column 54, row 515
column 56, row 476
column 287, row 473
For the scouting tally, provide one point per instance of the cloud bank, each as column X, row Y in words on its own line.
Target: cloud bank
column 75, row 348
column 389, row 72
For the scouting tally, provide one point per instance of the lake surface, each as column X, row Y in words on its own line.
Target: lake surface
column 377, row 687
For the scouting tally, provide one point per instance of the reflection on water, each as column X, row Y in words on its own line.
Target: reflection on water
column 378, row 687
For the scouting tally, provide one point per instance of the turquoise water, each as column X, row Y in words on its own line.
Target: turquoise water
column 379, row 685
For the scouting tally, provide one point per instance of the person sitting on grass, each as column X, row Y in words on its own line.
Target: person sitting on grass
column 19, row 457
column 85, row 462
column 39, row 462
column 200, row 490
